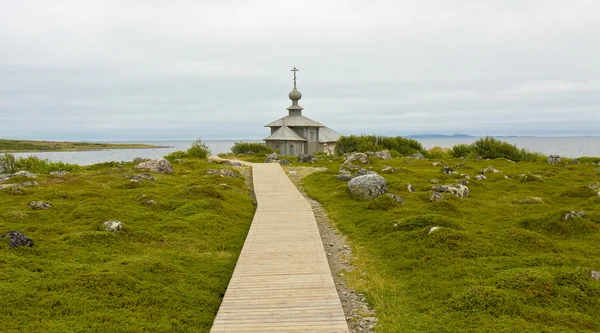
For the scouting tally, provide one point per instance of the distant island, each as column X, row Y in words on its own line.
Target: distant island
column 15, row 146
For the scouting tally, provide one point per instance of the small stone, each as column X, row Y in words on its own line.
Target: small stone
column 151, row 202
column 436, row 163
column 396, row 198
column 435, row 197
column 433, row 229
column 410, row 188
column 26, row 184
column 389, row 169
column 39, row 205
column 17, row 239
column 24, row 174
column 595, row 275
column 489, row 169
column 234, row 163
column 448, row 170
column 554, row 159
column 459, row 190
column 113, row 225
column 435, row 181
column 480, row 177
column 570, row 215
column 417, row 156
column 284, row 162
column 59, row 173
column 223, row 173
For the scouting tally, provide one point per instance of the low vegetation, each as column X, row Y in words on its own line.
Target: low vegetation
column 398, row 146
column 165, row 271
column 251, row 148
column 13, row 146
column 198, row 149
column 503, row 260
column 489, row 147
column 10, row 164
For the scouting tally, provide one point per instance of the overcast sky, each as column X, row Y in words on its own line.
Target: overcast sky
column 220, row 69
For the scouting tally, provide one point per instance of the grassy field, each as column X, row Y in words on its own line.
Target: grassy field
column 501, row 262
column 13, row 146
column 166, row 271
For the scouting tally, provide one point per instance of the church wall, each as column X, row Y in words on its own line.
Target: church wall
column 287, row 148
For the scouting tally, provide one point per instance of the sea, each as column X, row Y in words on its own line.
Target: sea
column 563, row 146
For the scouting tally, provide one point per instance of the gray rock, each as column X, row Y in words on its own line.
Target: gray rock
column 223, row 173
column 489, row 169
column 161, row 165
column 307, row 158
column 417, row 156
column 593, row 188
column 284, row 162
column 26, row 184
column 595, row 275
column 234, row 163
column 24, row 174
column 151, row 202
column 480, row 177
column 368, row 186
column 465, row 176
column 384, row 155
column 395, row 197
column 344, row 175
column 433, row 229
column 17, row 239
column 570, row 215
column 410, row 188
column 272, row 158
column 435, row 181
column 139, row 178
column 59, row 173
column 113, row 225
column 363, row 171
column 463, row 182
column 435, row 196
column 389, row 169
column 553, row 159
column 39, row 205
column 459, row 190
column 138, row 160
column 448, row 171
column 357, row 157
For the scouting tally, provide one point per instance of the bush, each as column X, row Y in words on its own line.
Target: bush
column 489, row 147
column 198, row 149
column 255, row 147
column 10, row 164
column 439, row 152
column 363, row 143
column 175, row 155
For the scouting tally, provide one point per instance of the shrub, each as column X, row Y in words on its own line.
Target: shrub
column 176, row 154
column 439, row 152
column 198, row 149
column 255, row 147
column 363, row 143
column 10, row 164
column 7, row 163
column 489, row 147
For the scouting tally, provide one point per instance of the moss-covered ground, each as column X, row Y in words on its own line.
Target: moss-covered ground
column 502, row 261
column 165, row 271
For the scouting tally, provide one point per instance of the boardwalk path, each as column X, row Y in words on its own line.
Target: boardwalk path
column 282, row 282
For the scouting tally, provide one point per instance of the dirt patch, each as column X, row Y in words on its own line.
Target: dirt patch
column 359, row 316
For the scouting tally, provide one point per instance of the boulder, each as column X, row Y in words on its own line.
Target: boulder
column 363, row 171
column 384, row 155
column 113, row 225
column 17, row 239
column 357, row 157
column 480, row 177
column 284, row 162
column 307, row 158
column 435, row 196
column 410, row 188
column 39, row 205
column 489, row 169
column 161, row 165
column 570, row 215
column 24, row 174
column 554, row 159
column 234, row 163
column 368, row 186
column 417, row 156
column 595, row 275
column 59, row 173
column 459, row 190
column 344, row 175
column 272, row 158
column 223, row 173
column 396, row 198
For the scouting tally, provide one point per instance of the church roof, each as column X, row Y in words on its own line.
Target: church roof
column 294, row 121
column 284, row 134
column 326, row 134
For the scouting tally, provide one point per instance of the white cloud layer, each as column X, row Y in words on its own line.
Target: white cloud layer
column 220, row 69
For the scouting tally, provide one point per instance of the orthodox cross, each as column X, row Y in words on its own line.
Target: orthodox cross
column 294, row 70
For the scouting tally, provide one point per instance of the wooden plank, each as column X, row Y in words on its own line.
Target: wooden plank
column 282, row 281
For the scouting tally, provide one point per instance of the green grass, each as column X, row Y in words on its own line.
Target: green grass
column 501, row 262
column 166, row 271
column 12, row 146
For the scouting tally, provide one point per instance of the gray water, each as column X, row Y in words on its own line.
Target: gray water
column 563, row 146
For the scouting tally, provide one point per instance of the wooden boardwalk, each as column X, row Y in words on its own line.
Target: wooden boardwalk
column 282, row 281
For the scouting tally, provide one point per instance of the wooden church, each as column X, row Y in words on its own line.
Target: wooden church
column 296, row 134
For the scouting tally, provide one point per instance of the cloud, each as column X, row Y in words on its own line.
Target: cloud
column 220, row 69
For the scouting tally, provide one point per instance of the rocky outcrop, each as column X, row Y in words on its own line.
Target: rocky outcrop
column 396, row 198
column 435, row 196
column 572, row 214
column 368, row 186
column 17, row 239
column 284, row 162
column 39, row 205
column 161, row 165
column 307, row 158
column 223, row 173
column 113, row 225
column 489, row 169
column 389, row 169
column 357, row 157
column 384, row 155
column 417, row 156
column 459, row 190
column 554, row 159
column 272, row 158
column 59, row 173
column 26, row 174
